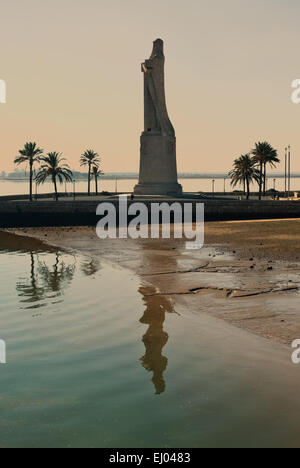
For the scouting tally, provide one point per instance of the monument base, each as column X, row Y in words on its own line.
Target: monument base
column 158, row 189
column 158, row 170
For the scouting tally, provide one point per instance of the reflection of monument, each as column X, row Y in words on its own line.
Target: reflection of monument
column 155, row 338
column 158, row 168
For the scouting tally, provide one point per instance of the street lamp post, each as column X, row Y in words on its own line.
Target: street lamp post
column 213, row 187
column 289, row 171
column 224, row 185
column 74, row 192
column 285, row 172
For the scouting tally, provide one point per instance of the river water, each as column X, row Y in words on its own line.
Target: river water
column 189, row 185
column 94, row 361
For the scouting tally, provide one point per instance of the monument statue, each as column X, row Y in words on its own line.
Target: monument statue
column 158, row 168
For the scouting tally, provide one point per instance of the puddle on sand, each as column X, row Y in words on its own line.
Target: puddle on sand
column 95, row 361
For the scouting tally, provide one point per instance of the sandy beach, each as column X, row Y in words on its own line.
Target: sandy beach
column 247, row 274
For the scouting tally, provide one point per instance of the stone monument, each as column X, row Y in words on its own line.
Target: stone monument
column 158, row 167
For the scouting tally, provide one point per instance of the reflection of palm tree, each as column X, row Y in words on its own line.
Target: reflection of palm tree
column 44, row 280
column 155, row 338
column 29, row 288
column 90, row 268
column 59, row 277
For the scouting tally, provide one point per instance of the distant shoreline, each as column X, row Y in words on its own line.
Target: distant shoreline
column 134, row 176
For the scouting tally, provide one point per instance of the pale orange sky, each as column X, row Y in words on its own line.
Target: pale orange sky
column 72, row 69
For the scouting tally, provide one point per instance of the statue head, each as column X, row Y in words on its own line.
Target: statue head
column 158, row 48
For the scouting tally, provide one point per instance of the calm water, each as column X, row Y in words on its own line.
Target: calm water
column 189, row 185
column 93, row 361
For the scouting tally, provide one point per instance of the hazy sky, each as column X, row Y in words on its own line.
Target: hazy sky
column 72, row 69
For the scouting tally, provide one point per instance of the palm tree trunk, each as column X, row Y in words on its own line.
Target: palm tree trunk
column 265, row 178
column 96, row 183
column 30, row 179
column 248, row 188
column 260, row 180
column 55, row 187
column 89, row 181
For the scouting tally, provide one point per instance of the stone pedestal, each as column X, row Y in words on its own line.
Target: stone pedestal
column 158, row 168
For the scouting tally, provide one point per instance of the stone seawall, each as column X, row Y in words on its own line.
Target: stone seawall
column 83, row 213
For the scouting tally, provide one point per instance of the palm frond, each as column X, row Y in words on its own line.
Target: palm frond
column 53, row 166
column 30, row 153
column 244, row 170
column 89, row 158
column 264, row 153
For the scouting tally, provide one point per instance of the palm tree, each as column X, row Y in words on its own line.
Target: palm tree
column 91, row 159
column 245, row 172
column 29, row 154
column 95, row 174
column 272, row 159
column 53, row 166
column 264, row 154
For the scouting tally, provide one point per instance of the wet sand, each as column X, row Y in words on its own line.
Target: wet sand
column 248, row 273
